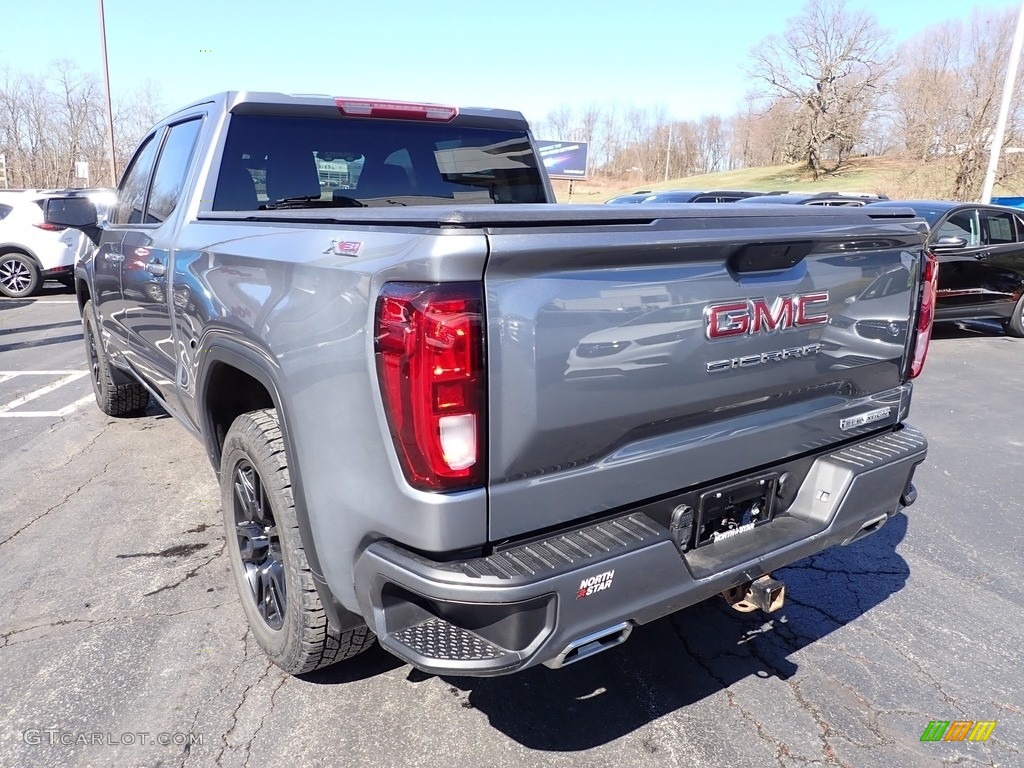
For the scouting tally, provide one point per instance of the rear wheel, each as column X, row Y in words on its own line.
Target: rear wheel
column 19, row 276
column 1015, row 325
column 114, row 397
column 267, row 557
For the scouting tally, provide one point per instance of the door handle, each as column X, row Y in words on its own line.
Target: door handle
column 113, row 257
column 981, row 256
column 156, row 269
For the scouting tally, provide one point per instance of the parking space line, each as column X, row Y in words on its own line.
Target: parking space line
column 72, row 376
column 11, row 374
column 67, row 409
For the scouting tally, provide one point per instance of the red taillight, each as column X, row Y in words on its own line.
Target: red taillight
column 925, row 314
column 397, row 110
column 50, row 227
column 430, row 351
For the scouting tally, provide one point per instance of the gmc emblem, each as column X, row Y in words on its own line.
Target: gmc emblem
column 752, row 316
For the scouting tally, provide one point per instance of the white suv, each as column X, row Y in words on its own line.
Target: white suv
column 31, row 250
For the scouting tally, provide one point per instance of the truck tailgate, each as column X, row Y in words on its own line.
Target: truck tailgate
column 629, row 359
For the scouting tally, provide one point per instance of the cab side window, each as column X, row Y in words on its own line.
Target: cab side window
column 171, row 170
column 131, row 197
column 963, row 224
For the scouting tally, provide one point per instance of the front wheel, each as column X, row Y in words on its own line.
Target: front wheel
column 267, row 557
column 1015, row 325
column 19, row 276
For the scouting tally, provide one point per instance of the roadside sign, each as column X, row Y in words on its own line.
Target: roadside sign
column 564, row 159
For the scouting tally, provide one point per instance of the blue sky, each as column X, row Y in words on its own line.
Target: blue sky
column 688, row 55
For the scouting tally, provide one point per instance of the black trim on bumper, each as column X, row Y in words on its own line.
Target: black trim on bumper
column 527, row 605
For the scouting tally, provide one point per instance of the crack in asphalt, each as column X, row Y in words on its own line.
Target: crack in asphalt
column 89, row 623
column 220, row 693
column 811, row 607
column 867, row 707
column 779, row 747
column 66, row 498
column 950, row 700
column 191, row 573
column 241, row 703
column 787, row 636
column 811, row 565
column 273, row 694
column 831, row 757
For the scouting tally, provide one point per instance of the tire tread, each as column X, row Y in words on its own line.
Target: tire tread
column 318, row 644
column 112, row 398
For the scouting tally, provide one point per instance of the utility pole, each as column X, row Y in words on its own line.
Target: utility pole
column 111, row 158
column 1004, row 109
column 668, row 148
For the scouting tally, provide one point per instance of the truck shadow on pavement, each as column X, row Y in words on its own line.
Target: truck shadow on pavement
column 686, row 657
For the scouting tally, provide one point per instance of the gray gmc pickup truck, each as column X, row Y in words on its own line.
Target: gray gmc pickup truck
column 487, row 429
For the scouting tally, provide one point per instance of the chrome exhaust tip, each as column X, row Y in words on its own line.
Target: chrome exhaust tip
column 588, row 645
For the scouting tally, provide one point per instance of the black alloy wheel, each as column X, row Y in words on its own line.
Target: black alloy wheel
column 259, row 545
column 269, row 563
column 93, row 358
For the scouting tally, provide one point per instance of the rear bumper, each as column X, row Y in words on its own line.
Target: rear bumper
column 531, row 604
column 59, row 272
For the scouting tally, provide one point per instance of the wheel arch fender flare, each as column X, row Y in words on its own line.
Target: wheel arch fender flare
column 258, row 363
column 23, row 250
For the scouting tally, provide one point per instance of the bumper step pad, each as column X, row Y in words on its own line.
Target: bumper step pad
column 437, row 639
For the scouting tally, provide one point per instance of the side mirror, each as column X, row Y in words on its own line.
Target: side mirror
column 75, row 212
column 950, row 241
column 849, row 300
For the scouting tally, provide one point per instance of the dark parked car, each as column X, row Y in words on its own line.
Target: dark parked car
column 981, row 260
column 814, row 198
column 697, row 196
column 635, row 197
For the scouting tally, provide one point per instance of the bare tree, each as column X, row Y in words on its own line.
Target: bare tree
column 712, row 144
column 13, row 118
column 829, row 65
column 49, row 122
column 946, row 99
column 134, row 114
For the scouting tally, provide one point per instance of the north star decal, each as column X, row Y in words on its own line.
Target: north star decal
column 595, row 584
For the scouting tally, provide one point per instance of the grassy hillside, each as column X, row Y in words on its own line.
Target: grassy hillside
column 890, row 176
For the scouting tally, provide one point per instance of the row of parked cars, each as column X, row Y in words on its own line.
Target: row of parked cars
column 980, row 247
column 31, row 250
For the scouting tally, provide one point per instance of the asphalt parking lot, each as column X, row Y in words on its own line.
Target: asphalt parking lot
column 123, row 643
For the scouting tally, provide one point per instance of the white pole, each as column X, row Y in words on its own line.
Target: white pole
column 668, row 148
column 110, row 112
column 1004, row 109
